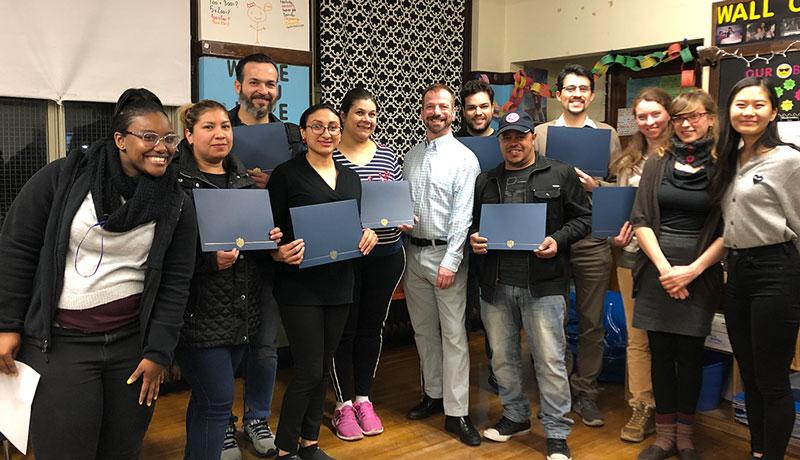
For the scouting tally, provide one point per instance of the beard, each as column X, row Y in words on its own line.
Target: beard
column 254, row 110
column 475, row 129
column 435, row 129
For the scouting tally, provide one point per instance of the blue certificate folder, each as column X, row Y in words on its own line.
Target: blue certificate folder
column 261, row 146
column 234, row 219
column 584, row 148
column 486, row 148
column 611, row 207
column 514, row 226
column 386, row 204
column 331, row 231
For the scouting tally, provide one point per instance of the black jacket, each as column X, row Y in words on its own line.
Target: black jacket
column 223, row 307
column 33, row 248
column 569, row 218
column 296, row 144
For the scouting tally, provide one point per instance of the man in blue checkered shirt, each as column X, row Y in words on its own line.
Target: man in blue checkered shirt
column 442, row 174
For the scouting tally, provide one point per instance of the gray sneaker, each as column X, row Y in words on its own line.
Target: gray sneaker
column 230, row 447
column 587, row 408
column 261, row 436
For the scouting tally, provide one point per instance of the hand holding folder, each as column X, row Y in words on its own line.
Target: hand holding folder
column 611, row 208
column 513, row 226
column 486, row 149
column 261, row 147
column 331, row 232
column 386, row 204
column 585, row 148
column 234, row 219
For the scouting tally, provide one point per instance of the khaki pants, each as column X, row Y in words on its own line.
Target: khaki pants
column 437, row 316
column 638, row 350
column 591, row 271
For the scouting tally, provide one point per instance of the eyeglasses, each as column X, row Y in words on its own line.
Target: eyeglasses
column 575, row 89
column 152, row 139
column 692, row 118
column 334, row 130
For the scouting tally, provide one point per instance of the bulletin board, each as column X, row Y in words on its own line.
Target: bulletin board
column 283, row 24
column 785, row 75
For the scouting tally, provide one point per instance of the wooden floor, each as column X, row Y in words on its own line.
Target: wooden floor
column 397, row 389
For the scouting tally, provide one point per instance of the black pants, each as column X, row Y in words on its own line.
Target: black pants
column 676, row 367
column 356, row 359
column 761, row 313
column 83, row 408
column 313, row 333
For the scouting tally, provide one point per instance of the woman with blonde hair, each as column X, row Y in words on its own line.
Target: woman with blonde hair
column 677, row 277
column 651, row 110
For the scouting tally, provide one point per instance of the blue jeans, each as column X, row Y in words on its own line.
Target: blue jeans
column 543, row 321
column 210, row 374
column 262, row 360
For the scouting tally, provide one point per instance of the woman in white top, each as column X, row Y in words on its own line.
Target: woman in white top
column 756, row 186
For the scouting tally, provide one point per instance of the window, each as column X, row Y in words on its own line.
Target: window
column 23, row 145
column 86, row 122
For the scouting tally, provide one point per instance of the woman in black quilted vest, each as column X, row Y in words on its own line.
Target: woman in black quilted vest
column 223, row 308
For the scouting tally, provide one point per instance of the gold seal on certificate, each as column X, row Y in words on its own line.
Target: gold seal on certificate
column 334, row 254
column 384, row 221
column 240, row 242
column 510, row 243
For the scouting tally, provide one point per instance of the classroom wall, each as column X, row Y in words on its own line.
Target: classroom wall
column 511, row 34
column 541, row 29
column 488, row 35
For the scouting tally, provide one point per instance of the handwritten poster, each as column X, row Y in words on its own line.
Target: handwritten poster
column 216, row 77
column 273, row 23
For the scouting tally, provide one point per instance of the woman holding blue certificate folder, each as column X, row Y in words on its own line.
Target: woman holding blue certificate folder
column 224, row 297
column 314, row 302
column 677, row 275
column 356, row 359
column 651, row 110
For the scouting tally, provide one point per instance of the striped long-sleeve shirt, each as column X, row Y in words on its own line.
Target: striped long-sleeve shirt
column 383, row 167
column 442, row 174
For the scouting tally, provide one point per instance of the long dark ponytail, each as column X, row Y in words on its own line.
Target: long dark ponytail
column 729, row 138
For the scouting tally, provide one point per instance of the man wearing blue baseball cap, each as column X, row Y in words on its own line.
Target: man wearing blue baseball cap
column 525, row 289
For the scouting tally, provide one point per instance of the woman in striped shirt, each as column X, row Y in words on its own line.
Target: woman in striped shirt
column 356, row 359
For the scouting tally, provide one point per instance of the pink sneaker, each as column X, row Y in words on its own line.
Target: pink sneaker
column 346, row 425
column 367, row 418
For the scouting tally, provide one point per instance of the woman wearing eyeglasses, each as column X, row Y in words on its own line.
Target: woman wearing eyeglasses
column 98, row 252
column 756, row 185
column 224, row 301
column 377, row 276
column 314, row 302
column 677, row 277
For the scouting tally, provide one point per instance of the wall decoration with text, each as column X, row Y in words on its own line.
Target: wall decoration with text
column 752, row 21
column 271, row 23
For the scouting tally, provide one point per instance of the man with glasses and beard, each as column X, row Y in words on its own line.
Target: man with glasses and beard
column 442, row 174
column 257, row 86
column 590, row 257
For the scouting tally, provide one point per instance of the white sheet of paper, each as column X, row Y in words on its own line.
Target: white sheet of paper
column 789, row 131
column 16, row 397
